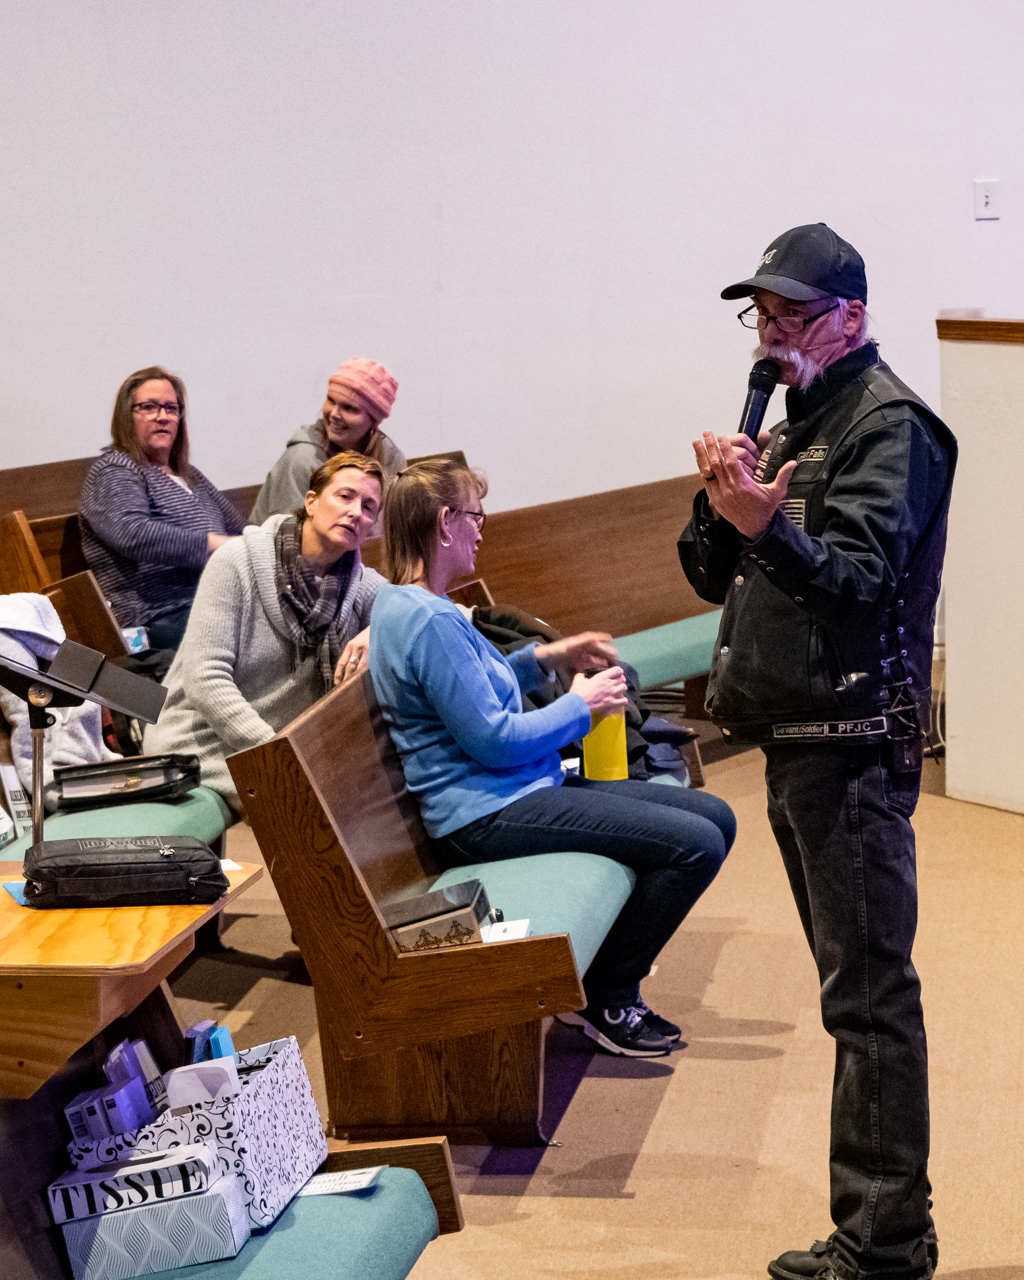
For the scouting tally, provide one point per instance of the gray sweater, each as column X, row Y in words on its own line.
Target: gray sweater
column 284, row 489
column 237, row 679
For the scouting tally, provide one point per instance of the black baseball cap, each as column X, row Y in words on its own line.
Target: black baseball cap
column 807, row 263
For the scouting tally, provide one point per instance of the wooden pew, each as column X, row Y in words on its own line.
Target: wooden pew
column 604, row 562
column 442, row 1041
column 22, row 567
column 47, row 489
column 86, row 616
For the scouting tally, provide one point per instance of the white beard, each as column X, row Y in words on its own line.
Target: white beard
column 803, row 363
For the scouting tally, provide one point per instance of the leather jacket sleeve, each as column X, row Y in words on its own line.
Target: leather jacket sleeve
column 708, row 551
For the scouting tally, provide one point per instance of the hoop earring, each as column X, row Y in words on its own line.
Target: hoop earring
column 446, row 544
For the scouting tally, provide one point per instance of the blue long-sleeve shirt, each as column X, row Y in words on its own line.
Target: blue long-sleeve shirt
column 454, row 709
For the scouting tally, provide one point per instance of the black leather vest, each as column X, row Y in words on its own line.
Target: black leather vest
column 869, row 678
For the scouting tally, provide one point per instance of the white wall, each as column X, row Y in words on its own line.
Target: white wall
column 982, row 395
column 526, row 209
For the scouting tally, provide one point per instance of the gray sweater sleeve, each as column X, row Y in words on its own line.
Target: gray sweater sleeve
column 284, row 489
column 210, row 651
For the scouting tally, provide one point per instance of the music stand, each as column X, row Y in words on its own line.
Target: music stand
column 76, row 675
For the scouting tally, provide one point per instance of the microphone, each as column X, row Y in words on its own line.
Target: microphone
column 760, row 385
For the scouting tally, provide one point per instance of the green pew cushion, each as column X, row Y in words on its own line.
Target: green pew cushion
column 676, row 651
column 371, row 1235
column 202, row 813
column 575, row 893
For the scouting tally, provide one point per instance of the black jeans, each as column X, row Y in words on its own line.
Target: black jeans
column 675, row 840
column 841, row 816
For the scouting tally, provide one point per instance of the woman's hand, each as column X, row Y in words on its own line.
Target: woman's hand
column 352, row 662
column 584, row 652
column 215, row 540
column 605, row 691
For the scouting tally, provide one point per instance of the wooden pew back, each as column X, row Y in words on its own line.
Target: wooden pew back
column 47, row 489
column 22, row 567
column 605, row 562
column 86, row 616
column 59, row 539
column 340, row 834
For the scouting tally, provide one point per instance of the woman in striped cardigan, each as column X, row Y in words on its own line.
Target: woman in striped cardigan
column 149, row 519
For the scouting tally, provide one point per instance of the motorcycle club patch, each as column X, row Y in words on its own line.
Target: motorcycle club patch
column 816, row 453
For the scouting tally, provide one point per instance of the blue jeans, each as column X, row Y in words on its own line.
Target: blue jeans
column 168, row 631
column 841, row 816
column 674, row 838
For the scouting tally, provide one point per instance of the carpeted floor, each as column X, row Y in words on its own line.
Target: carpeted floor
column 711, row 1162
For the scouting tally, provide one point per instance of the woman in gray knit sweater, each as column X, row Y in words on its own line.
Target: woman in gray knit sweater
column 280, row 614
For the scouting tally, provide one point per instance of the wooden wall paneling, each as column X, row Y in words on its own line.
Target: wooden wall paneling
column 86, row 616
column 47, row 489
column 429, row 1157
column 22, row 567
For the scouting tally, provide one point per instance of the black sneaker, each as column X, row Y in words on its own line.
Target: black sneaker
column 622, row 1029
column 656, row 1022
column 813, row 1263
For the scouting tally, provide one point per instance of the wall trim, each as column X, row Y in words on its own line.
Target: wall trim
column 955, row 330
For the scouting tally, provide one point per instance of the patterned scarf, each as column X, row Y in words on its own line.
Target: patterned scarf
column 310, row 608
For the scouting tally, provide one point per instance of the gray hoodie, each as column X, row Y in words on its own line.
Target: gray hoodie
column 285, row 487
column 237, row 678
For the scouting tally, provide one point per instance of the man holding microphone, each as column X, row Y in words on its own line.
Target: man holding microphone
column 824, row 542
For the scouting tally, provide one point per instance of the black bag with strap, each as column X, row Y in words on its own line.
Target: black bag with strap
column 123, row 871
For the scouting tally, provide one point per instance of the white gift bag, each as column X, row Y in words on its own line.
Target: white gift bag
column 269, row 1135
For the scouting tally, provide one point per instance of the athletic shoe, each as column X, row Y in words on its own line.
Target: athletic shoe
column 656, row 1022
column 620, row 1029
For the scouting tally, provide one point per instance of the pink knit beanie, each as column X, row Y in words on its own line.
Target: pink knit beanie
column 369, row 384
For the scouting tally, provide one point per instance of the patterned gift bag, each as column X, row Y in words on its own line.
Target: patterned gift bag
column 270, row 1135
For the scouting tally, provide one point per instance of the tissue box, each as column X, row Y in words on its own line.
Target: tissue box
column 160, row 1237
column 162, row 1175
column 269, row 1135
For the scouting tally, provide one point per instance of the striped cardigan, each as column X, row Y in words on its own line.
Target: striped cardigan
column 145, row 538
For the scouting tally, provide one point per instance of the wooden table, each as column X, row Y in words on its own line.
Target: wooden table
column 65, row 975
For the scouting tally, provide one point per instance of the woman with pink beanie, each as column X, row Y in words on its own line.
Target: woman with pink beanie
column 359, row 397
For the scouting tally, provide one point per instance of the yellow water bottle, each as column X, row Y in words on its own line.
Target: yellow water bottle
column 604, row 748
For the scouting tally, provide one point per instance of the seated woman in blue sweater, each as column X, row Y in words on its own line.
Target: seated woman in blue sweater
column 488, row 776
column 149, row 519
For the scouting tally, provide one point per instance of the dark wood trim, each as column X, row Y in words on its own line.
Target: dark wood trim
column 953, row 330
column 429, row 1157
